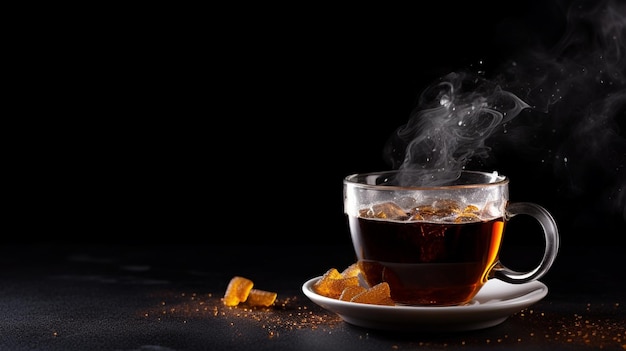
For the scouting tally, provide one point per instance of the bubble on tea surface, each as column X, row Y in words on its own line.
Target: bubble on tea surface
column 385, row 210
column 351, row 291
column 379, row 294
column 261, row 298
column 237, row 291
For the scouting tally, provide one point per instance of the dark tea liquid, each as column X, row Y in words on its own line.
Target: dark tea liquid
column 427, row 263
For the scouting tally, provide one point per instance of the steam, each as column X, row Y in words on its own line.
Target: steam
column 576, row 90
column 580, row 86
column 455, row 117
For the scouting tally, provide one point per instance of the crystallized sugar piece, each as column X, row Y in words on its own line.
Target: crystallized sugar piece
column 332, row 283
column 261, row 298
column 237, row 291
column 379, row 294
column 351, row 291
column 352, row 270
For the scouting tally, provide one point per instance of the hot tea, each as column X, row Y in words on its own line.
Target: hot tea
column 437, row 243
column 439, row 262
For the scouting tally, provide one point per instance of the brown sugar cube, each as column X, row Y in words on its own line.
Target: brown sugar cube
column 237, row 291
column 261, row 298
column 351, row 291
column 379, row 294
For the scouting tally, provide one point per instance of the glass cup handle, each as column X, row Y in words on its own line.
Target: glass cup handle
column 551, row 244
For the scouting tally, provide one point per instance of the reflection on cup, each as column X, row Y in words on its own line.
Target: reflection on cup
column 436, row 245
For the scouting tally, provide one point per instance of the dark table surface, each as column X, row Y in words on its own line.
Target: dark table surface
column 168, row 297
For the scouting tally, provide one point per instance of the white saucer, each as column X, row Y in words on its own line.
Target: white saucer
column 493, row 304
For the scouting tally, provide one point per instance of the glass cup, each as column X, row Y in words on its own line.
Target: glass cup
column 437, row 245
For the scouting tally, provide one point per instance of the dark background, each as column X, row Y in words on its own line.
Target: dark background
column 237, row 125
